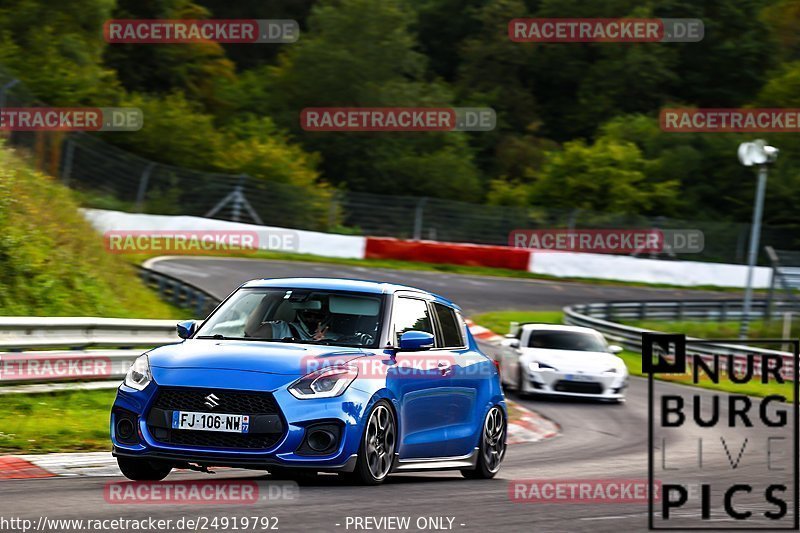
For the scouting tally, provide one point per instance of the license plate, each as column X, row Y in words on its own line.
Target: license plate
column 210, row 422
column 577, row 377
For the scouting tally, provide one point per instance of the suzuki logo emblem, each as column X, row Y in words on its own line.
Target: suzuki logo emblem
column 211, row 401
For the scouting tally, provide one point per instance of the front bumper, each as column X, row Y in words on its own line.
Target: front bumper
column 610, row 386
column 283, row 448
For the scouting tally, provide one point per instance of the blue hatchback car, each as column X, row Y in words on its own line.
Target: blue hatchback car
column 306, row 375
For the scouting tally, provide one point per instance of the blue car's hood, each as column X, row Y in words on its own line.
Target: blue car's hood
column 250, row 356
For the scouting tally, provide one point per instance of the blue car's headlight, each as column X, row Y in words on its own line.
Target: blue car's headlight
column 324, row 383
column 139, row 375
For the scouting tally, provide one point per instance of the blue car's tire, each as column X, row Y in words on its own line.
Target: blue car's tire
column 142, row 469
column 378, row 445
column 493, row 446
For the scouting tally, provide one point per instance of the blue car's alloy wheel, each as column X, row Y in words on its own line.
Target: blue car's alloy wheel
column 376, row 454
column 493, row 446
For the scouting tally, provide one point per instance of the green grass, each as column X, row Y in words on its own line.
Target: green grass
column 53, row 263
column 55, row 422
column 759, row 329
column 499, row 321
column 634, row 363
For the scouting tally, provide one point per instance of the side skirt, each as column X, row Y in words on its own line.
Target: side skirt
column 436, row 463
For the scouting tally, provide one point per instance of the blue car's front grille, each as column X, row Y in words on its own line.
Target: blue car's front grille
column 232, row 402
column 213, row 439
column 266, row 427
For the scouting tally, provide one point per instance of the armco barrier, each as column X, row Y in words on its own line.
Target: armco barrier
column 447, row 253
column 596, row 316
column 53, row 349
column 179, row 292
column 19, row 336
column 24, row 333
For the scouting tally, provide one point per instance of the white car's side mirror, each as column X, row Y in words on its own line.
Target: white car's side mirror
column 512, row 343
column 614, row 349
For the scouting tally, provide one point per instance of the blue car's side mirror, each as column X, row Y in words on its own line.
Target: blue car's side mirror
column 186, row 328
column 415, row 341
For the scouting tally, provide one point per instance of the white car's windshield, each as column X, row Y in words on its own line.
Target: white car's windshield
column 567, row 340
column 297, row 315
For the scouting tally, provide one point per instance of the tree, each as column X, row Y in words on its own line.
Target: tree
column 608, row 176
column 56, row 50
column 362, row 53
column 195, row 69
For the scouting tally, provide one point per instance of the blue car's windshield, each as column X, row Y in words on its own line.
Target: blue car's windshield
column 297, row 315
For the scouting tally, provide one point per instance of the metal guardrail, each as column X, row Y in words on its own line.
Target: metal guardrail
column 104, row 348
column 56, row 349
column 24, row 333
column 179, row 292
column 719, row 310
column 600, row 316
column 785, row 274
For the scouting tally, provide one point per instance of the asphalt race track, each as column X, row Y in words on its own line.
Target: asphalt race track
column 474, row 294
column 598, row 441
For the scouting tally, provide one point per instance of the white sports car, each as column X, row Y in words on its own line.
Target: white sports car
column 562, row 360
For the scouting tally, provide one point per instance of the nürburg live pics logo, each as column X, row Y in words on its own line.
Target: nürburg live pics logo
column 724, row 452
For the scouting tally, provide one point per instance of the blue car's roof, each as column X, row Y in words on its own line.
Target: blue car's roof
column 337, row 284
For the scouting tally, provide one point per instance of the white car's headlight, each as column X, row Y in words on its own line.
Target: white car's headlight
column 324, row 383
column 139, row 375
column 620, row 370
column 535, row 366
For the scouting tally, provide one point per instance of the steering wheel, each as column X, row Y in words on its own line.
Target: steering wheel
column 365, row 339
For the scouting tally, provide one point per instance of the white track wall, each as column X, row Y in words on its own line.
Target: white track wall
column 559, row 264
column 626, row 268
column 307, row 242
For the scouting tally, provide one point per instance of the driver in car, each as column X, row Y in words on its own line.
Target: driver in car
column 313, row 324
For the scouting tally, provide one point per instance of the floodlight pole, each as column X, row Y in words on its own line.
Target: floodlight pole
column 752, row 255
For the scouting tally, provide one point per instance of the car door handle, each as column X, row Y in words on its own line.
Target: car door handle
column 445, row 368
